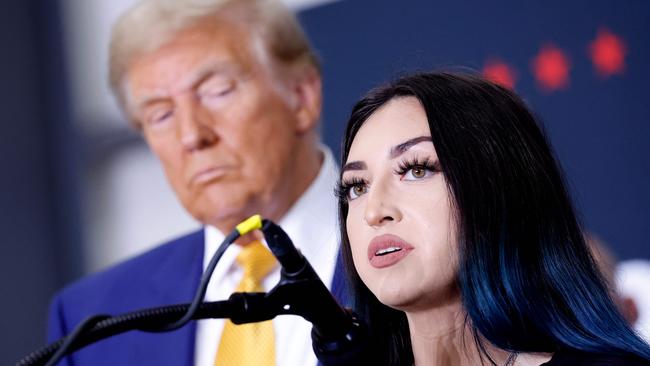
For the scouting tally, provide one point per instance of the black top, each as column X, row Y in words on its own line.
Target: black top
column 577, row 358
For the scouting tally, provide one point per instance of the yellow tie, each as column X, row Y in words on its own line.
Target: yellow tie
column 253, row 343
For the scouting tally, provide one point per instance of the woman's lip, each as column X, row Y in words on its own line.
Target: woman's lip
column 384, row 242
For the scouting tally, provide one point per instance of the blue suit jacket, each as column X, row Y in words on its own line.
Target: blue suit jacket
column 168, row 274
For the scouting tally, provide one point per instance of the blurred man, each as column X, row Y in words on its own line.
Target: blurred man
column 227, row 94
column 633, row 280
column 627, row 282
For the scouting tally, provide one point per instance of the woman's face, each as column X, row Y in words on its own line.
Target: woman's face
column 400, row 224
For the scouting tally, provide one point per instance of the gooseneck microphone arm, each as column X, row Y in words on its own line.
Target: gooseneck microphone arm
column 338, row 338
column 144, row 320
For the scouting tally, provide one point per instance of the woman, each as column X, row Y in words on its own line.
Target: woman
column 460, row 239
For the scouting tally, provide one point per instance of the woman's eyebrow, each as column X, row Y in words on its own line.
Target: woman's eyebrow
column 354, row 165
column 400, row 149
column 395, row 151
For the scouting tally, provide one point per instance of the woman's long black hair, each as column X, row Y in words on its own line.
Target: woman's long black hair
column 527, row 280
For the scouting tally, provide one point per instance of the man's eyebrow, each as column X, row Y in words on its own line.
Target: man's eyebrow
column 354, row 165
column 149, row 100
column 215, row 67
column 400, row 149
column 219, row 68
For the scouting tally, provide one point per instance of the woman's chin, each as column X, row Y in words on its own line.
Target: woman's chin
column 403, row 298
column 397, row 297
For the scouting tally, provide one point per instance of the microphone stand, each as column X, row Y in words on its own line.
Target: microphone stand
column 291, row 296
column 338, row 337
column 144, row 320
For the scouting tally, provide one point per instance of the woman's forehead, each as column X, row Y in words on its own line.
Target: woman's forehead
column 397, row 121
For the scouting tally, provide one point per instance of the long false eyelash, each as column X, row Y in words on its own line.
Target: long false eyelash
column 406, row 164
column 343, row 187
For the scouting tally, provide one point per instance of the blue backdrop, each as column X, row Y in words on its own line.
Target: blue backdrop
column 582, row 66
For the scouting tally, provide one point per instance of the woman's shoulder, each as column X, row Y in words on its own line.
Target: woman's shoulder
column 578, row 358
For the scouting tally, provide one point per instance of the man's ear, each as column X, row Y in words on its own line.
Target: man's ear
column 308, row 94
column 629, row 310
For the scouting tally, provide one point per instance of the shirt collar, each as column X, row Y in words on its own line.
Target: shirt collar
column 310, row 222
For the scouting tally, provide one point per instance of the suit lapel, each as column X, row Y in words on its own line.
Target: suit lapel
column 174, row 282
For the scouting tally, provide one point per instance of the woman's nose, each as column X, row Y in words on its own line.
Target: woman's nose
column 381, row 206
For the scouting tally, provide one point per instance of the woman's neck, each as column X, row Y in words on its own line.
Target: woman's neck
column 441, row 336
column 437, row 336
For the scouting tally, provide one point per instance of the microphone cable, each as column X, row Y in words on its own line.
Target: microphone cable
column 252, row 223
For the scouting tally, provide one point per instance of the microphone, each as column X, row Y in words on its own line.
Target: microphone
column 338, row 336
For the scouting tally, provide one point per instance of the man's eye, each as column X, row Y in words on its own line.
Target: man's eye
column 159, row 116
column 217, row 90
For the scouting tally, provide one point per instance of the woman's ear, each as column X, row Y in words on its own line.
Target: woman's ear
column 307, row 91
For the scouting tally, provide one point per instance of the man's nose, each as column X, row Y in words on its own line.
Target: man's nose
column 381, row 205
column 196, row 126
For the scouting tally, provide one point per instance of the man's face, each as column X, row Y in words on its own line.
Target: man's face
column 225, row 134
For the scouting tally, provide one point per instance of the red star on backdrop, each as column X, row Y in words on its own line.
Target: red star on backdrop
column 551, row 68
column 608, row 53
column 500, row 73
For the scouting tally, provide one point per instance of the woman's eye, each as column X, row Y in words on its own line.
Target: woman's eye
column 417, row 172
column 356, row 190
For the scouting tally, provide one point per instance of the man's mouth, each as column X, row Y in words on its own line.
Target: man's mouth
column 209, row 174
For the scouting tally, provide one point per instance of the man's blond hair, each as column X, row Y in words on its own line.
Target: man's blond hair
column 150, row 23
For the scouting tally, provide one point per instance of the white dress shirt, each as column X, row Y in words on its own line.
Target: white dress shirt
column 312, row 226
